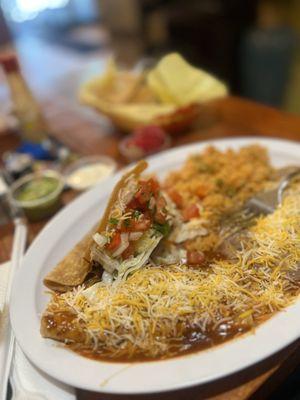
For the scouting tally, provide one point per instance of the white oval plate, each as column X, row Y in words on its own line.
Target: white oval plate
column 29, row 300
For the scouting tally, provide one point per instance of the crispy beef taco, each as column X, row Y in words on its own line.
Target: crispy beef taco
column 135, row 221
column 133, row 224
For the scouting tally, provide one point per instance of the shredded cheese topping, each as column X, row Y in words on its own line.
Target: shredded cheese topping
column 154, row 309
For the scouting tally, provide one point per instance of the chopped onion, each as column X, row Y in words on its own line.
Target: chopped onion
column 100, row 239
column 107, row 278
column 135, row 235
column 152, row 203
column 123, row 246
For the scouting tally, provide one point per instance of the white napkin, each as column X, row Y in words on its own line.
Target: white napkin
column 4, row 318
column 28, row 382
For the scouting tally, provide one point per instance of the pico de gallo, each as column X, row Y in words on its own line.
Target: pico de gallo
column 145, row 211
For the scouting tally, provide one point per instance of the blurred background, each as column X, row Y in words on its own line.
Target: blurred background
column 251, row 44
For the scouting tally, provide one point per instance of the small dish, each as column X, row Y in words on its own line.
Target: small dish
column 143, row 142
column 88, row 172
column 38, row 194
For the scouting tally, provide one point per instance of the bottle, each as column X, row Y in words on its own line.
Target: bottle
column 32, row 124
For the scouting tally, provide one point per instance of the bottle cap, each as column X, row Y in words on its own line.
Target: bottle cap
column 9, row 62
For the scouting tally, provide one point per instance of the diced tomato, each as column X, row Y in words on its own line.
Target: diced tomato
column 195, row 257
column 115, row 242
column 133, row 204
column 190, row 212
column 133, row 225
column 160, row 214
column 147, row 189
column 147, row 214
column 176, row 197
column 128, row 252
column 144, row 193
column 153, row 183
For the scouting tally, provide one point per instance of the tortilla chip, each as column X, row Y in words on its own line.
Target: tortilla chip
column 175, row 81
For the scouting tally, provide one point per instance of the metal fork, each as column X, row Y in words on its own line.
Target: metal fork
column 263, row 203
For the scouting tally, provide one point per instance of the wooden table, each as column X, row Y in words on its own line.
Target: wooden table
column 224, row 118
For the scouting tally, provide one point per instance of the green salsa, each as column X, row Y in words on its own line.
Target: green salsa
column 37, row 188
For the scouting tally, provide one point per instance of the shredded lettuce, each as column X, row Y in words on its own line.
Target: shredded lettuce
column 144, row 247
column 149, row 241
column 108, row 263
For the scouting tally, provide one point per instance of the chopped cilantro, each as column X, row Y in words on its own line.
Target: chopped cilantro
column 113, row 221
column 136, row 214
column 164, row 229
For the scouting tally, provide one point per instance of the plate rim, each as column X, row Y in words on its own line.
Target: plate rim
column 88, row 196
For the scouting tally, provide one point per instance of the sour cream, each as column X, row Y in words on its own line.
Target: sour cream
column 86, row 176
